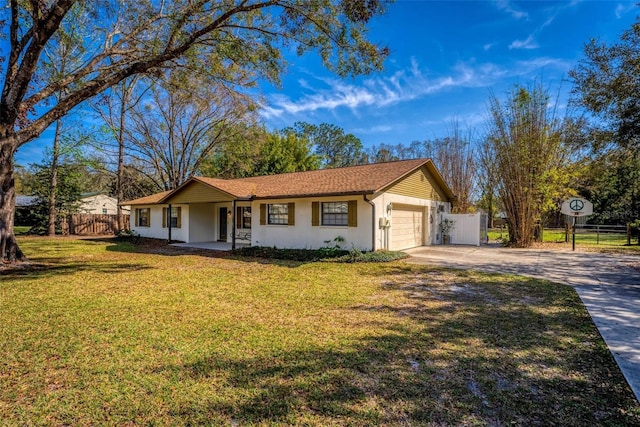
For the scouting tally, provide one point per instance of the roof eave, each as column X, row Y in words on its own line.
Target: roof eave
column 303, row 196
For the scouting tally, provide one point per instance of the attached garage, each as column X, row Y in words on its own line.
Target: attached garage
column 407, row 227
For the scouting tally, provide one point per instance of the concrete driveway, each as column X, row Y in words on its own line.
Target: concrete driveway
column 607, row 284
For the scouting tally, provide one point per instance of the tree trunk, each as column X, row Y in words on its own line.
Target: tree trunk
column 51, row 228
column 9, row 250
column 120, row 172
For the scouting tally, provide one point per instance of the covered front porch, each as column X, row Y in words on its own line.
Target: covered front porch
column 215, row 219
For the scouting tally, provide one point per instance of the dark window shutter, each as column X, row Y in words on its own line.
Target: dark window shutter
column 263, row 214
column 238, row 217
column 315, row 214
column 165, row 214
column 352, row 216
column 179, row 225
column 137, row 218
column 292, row 214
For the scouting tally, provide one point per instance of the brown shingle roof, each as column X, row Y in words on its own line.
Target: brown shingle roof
column 363, row 179
column 148, row 200
column 349, row 180
column 234, row 187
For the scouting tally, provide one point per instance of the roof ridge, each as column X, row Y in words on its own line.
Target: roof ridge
column 248, row 178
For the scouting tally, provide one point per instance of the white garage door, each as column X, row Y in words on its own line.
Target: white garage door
column 407, row 227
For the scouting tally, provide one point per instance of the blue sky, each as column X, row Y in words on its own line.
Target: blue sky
column 446, row 58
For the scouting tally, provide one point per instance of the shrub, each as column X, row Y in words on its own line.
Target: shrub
column 302, row 255
column 322, row 254
column 375, row 256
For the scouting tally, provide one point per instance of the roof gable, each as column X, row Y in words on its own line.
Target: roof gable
column 206, row 190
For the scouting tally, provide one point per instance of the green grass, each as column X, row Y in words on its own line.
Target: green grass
column 106, row 333
column 20, row 230
column 590, row 240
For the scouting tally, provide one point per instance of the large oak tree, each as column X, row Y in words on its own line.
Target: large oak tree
column 607, row 85
column 224, row 38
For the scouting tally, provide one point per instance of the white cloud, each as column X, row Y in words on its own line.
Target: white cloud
column 372, row 130
column 534, row 65
column 551, row 14
column 529, row 43
column 488, row 46
column 401, row 87
column 623, row 8
column 506, row 6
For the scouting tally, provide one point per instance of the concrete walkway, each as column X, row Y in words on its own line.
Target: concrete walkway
column 607, row 285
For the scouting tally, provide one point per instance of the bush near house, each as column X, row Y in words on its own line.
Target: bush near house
column 323, row 254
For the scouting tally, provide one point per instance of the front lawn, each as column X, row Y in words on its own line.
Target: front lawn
column 106, row 333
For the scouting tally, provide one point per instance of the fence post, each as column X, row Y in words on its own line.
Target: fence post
column 628, row 234
column 597, row 234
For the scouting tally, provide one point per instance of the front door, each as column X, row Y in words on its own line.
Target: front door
column 222, row 236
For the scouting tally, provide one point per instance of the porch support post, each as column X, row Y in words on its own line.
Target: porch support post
column 168, row 219
column 233, row 224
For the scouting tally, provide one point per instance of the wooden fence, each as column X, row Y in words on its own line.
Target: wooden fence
column 92, row 224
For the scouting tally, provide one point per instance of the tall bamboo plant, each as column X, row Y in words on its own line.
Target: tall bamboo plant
column 526, row 140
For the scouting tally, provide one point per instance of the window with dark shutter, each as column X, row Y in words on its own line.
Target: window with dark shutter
column 315, row 214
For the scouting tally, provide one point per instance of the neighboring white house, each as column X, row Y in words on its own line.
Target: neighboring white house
column 393, row 205
column 99, row 203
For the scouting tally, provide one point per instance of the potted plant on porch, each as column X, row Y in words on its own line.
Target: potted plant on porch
column 446, row 225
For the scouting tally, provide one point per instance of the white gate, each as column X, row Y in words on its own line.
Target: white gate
column 468, row 229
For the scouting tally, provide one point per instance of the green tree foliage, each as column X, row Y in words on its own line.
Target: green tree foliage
column 238, row 155
column 253, row 151
column 611, row 181
column 67, row 193
column 230, row 41
column 335, row 148
column 285, row 152
column 607, row 84
column 527, row 143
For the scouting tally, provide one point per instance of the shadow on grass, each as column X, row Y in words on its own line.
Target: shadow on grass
column 55, row 267
column 160, row 247
column 479, row 353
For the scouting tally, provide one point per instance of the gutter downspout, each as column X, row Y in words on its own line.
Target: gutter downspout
column 233, row 224
column 168, row 219
column 373, row 221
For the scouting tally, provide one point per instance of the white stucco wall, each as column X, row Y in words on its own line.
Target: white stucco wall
column 156, row 230
column 199, row 223
column 384, row 235
column 303, row 235
column 203, row 222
